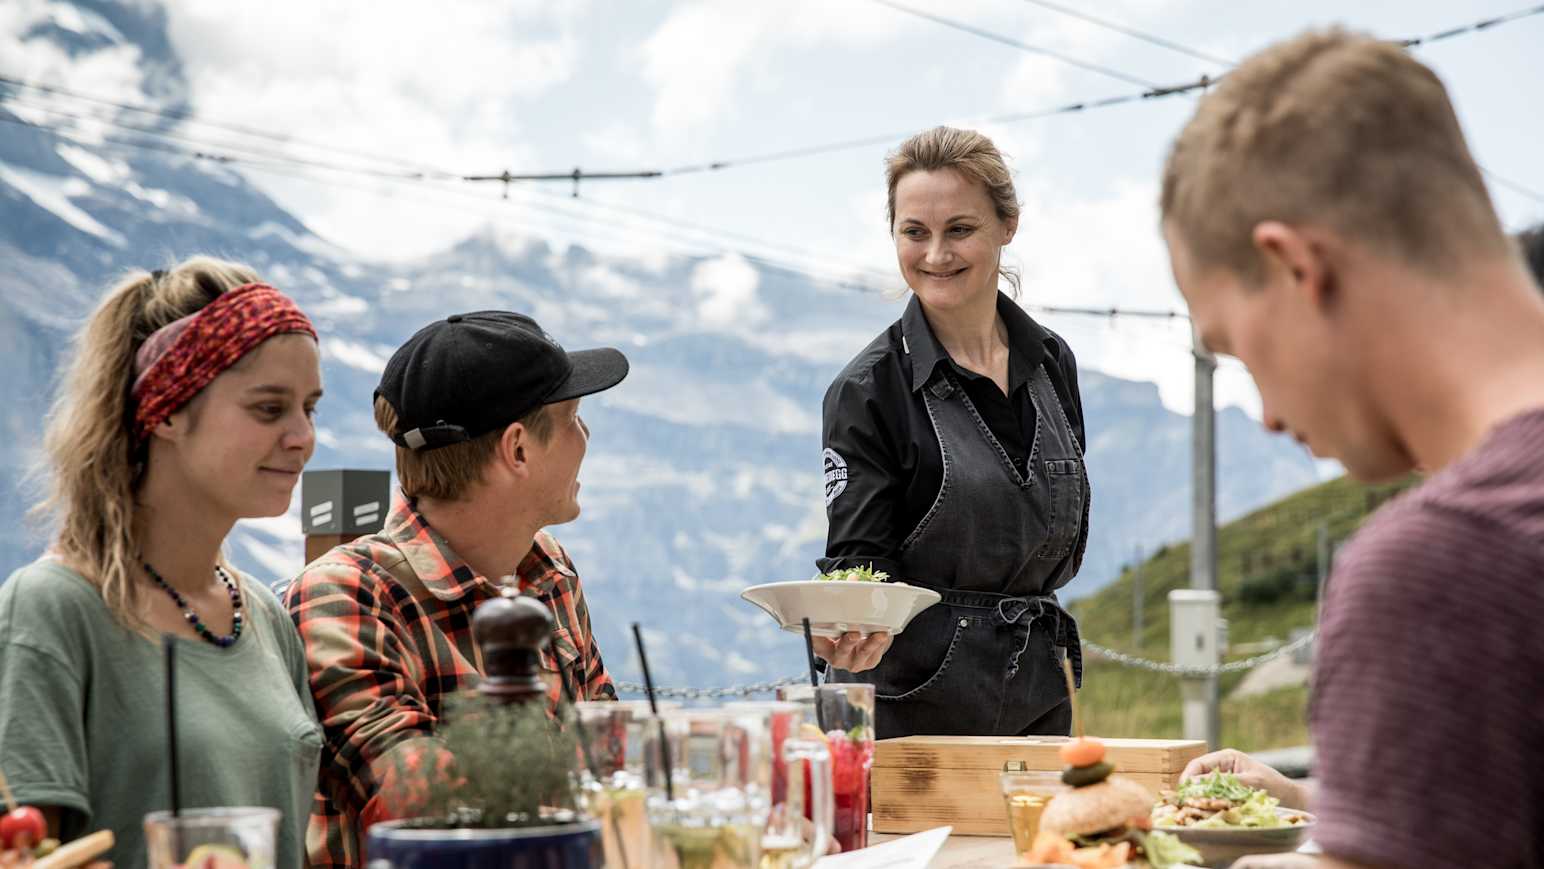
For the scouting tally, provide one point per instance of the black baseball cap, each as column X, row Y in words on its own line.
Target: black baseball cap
column 469, row 374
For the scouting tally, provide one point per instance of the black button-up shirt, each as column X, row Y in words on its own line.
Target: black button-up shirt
column 882, row 461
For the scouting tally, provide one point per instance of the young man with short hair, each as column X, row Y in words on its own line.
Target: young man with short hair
column 484, row 411
column 1328, row 226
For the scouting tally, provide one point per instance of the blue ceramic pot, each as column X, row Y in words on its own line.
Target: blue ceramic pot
column 557, row 846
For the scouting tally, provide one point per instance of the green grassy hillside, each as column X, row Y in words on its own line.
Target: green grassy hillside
column 1267, row 565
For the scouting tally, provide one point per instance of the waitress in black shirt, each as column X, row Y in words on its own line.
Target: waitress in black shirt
column 954, row 460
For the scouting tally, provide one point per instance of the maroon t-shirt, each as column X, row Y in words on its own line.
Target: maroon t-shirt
column 1428, row 697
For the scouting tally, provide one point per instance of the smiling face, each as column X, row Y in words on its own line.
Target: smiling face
column 948, row 238
column 1301, row 345
column 241, row 444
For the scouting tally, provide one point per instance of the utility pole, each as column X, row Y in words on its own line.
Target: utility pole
column 1203, row 524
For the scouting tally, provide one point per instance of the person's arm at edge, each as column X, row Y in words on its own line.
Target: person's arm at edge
column 374, row 716
column 861, row 529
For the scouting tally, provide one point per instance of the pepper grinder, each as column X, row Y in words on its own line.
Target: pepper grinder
column 511, row 630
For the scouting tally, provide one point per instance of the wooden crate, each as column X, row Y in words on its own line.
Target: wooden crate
column 921, row 782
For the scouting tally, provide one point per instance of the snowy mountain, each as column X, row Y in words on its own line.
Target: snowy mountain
column 704, row 472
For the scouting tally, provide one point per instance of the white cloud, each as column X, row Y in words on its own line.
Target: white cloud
column 422, row 84
column 699, row 57
column 113, row 72
column 694, row 59
column 354, row 355
column 607, row 281
column 726, row 293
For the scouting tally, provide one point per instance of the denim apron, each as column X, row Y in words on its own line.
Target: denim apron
column 997, row 541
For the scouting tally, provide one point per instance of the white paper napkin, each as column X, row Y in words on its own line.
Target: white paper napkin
column 913, row 852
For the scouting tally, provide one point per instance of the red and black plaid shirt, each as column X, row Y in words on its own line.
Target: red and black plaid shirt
column 387, row 625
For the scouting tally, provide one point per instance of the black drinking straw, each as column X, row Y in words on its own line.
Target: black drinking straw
column 169, row 645
column 589, row 759
column 648, row 687
column 809, row 652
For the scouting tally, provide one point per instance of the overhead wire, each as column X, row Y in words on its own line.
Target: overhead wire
column 256, row 158
column 165, row 142
column 841, row 277
column 1017, row 43
column 1148, row 94
column 184, row 115
column 1412, row 42
column 1132, row 32
column 1075, row 107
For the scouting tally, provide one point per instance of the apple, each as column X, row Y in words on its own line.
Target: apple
column 22, row 828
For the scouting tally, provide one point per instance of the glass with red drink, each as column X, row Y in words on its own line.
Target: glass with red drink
column 844, row 715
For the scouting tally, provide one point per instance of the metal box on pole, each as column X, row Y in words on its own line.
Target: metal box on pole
column 1194, row 641
column 337, row 506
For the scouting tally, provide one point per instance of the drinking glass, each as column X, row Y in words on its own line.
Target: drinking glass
column 844, row 713
column 785, row 720
column 711, row 809
column 799, row 826
column 245, row 833
column 611, row 783
column 1025, row 794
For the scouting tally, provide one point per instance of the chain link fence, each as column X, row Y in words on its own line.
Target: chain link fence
column 1103, row 652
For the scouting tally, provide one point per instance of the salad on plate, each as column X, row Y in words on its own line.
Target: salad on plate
column 1219, row 801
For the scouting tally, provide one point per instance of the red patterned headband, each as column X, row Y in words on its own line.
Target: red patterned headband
column 183, row 357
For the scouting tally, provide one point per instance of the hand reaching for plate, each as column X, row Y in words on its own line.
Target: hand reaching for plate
column 852, row 651
column 1252, row 773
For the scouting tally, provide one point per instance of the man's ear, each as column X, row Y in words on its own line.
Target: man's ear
column 513, row 449
column 1294, row 257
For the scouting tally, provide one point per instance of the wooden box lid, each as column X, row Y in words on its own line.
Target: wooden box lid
column 1164, row 756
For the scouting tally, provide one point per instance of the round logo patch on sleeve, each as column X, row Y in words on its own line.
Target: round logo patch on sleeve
column 836, row 475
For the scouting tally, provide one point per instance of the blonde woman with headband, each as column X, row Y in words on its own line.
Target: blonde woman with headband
column 954, row 460
column 188, row 405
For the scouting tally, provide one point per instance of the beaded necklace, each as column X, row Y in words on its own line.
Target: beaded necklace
column 192, row 617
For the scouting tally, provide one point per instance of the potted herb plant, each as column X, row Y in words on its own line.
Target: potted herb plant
column 506, row 795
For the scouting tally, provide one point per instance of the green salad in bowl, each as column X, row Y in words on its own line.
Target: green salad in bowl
column 866, row 573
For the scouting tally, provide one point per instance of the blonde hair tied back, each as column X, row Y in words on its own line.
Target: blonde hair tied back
column 92, row 469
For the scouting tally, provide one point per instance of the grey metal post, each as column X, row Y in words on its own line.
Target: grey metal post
column 1203, row 487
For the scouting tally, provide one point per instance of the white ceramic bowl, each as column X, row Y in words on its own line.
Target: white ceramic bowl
column 835, row 607
column 1220, row 847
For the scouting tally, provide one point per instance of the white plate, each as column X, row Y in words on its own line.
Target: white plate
column 835, row 607
column 1221, row 846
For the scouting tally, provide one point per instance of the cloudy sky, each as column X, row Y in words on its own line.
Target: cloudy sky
column 481, row 87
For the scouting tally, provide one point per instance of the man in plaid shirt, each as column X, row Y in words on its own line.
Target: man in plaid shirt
column 484, row 410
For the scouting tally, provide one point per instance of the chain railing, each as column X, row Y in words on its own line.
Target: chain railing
column 712, row 693
column 1141, row 663
column 1103, row 652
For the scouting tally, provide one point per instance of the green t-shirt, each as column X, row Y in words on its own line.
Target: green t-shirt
column 83, row 714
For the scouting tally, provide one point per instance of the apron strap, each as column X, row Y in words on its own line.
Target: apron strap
column 1012, row 610
column 1064, row 628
